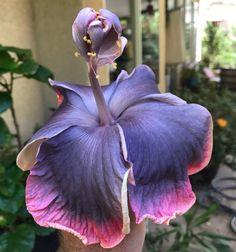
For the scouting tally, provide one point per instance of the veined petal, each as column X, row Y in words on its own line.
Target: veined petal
column 84, row 92
column 163, row 141
column 84, row 18
column 75, row 110
column 111, row 48
column 79, row 29
column 130, row 89
column 76, row 184
column 122, row 76
column 111, row 19
column 165, row 97
column 96, row 34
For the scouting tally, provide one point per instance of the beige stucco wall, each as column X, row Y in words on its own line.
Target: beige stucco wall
column 17, row 29
column 45, row 27
column 53, row 21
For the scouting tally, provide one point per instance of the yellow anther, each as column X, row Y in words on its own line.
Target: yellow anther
column 114, row 65
column 88, row 41
column 77, row 54
column 118, row 43
column 92, row 54
column 97, row 76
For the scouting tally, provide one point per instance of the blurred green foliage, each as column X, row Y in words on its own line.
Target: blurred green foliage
column 218, row 47
column 17, row 228
column 221, row 103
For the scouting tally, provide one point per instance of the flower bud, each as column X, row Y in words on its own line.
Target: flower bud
column 98, row 36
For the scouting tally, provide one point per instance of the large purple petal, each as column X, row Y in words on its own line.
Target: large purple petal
column 75, row 110
column 164, row 141
column 84, row 92
column 78, row 108
column 76, row 184
column 132, row 88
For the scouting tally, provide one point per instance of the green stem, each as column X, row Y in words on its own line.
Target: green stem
column 8, row 87
column 104, row 112
column 16, row 125
column 3, row 85
column 13, row 114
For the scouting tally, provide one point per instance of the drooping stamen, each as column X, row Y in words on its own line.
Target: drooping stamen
column 92, row 54
column 118, row 43
column 88, row 41
column 114, row 65
column 77, row 54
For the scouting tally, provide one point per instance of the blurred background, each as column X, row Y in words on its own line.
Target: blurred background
column 191, row 47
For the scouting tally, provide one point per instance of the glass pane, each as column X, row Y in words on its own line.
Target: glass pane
column 180, row 3
column 125, row 61
column 150, row 34
column 170, row 4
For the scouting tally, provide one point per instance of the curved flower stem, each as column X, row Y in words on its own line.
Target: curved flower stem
column 104, row 113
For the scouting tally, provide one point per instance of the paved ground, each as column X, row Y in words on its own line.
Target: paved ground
column 221, row 222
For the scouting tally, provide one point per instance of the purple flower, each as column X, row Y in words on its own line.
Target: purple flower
column 98, row 35
column 83, row 173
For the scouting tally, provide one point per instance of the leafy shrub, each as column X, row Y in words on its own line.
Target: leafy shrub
column 17, row 228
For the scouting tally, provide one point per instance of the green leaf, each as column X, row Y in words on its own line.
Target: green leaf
column 14, row 173
column 22, row 54
column 42, row 74
column 7, row 187
column 13, row 204
column 216, row 236
column 27, row 67
column 5, row 101
column 20, row 240
column 7, row 219
column 222, row 246
column 2, row 71
column 190, row 215
column 41, row 231
column 3, row 221
column 7, row 62
column 2, row 170
column 205, row 216
column 207, row 247
column 5, row 135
